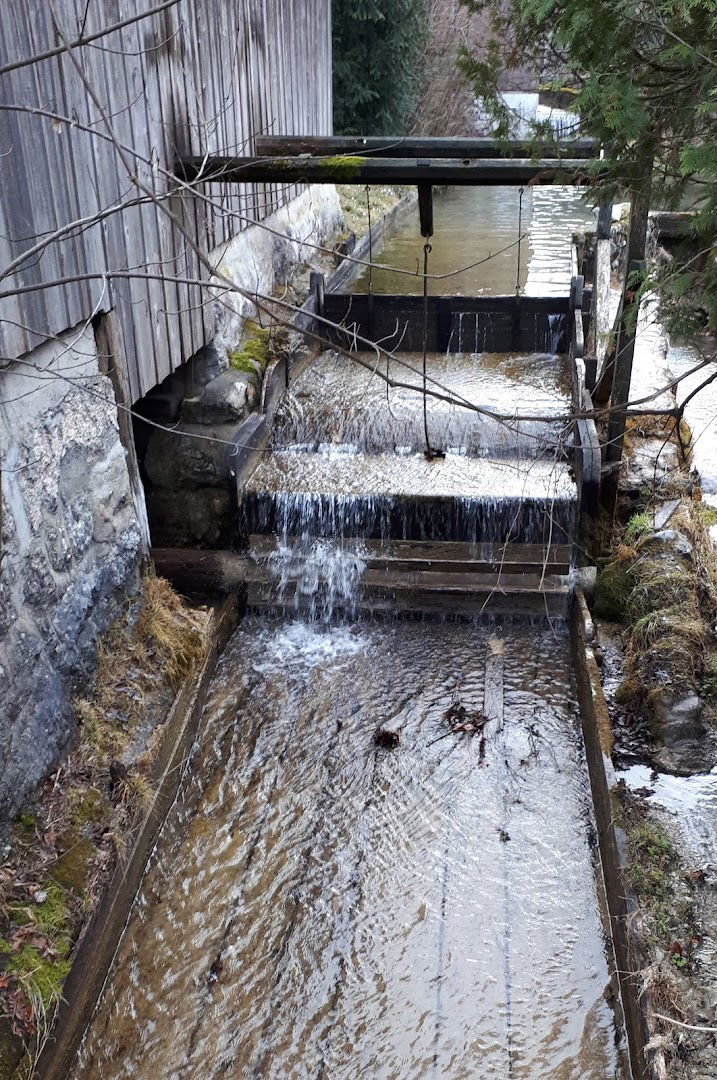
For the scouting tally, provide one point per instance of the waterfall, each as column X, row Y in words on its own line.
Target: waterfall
column 556, row 329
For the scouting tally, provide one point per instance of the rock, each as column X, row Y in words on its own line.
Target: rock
column 227, row 398
column 679, row 728
column 177, row 461
column 677, row 541
column 202, row 518
column 207, row 364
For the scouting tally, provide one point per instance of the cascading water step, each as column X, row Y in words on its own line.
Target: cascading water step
column 390, row 496
column 341, row 402
column 326, row 577
column 419, row 592
column 446, row 555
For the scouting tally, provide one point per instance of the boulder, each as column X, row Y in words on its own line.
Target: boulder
column 207, row 364
column 226, row 399
column 684, row 745
column 178, row 460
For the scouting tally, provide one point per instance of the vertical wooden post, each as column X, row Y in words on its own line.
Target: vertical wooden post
column 425, row 209
column 625, row 351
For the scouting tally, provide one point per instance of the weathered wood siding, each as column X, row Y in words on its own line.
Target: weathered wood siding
column 201, row 76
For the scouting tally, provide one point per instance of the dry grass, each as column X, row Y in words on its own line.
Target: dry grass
column 161, row 648
column 66, row 845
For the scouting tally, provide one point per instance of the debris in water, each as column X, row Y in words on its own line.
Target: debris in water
column 461, row 722
column 215, row 970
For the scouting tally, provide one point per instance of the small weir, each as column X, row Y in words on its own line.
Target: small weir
column 319, row 905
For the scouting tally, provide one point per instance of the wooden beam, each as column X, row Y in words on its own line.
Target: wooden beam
column 425, row 209
column 399, row 147
column 364, row 170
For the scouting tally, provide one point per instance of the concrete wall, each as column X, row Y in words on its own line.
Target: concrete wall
column 71, row 542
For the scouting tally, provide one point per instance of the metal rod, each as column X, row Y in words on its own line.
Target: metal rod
column 426, row 250
column 520, row 239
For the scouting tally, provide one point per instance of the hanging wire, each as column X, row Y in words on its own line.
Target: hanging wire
column 520, row 237
column 370, row 238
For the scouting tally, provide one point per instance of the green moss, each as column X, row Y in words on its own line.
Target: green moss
column 72, row 869
column 87, row 807
column 254, row 354
column 657, row 876
column 707, row 514
column 51, row 915
column 345, row 167
column 39, row 976
column 612, row 591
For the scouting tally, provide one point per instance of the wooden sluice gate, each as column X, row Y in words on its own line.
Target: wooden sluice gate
column 376, row 530
column 495, row 324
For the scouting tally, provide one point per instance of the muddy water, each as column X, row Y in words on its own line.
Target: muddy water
column 318, row 907
column 473, row 223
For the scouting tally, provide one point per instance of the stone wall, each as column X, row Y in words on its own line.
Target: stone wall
column 71, row 547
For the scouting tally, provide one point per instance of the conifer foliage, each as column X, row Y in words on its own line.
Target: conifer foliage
column 642, row 77
column 377, row 47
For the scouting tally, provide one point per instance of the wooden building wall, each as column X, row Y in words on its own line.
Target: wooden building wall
column 198, row 76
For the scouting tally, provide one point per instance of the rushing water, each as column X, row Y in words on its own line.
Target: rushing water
column 319, row 907
column 338, row 402
column 471, row 224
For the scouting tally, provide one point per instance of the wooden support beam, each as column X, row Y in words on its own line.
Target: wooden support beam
column 400, row 147
column 373, row 170
column 425, row 209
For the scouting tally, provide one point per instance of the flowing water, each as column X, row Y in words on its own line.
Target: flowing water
column 320, row 907
column 471, row 224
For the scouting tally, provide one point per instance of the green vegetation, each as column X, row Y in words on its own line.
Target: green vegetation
column 638, row 525
column 666, row 600
column 36, row 953
column 665, row 893
column 377, row 47
column 255, row 353
column 612, row 590
column 643, row 82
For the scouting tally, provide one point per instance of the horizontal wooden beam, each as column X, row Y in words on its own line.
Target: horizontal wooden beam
column 368, row 170
column 400, row 147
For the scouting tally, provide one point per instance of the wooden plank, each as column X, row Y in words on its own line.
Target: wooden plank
column 411, row 147
column 374, row 170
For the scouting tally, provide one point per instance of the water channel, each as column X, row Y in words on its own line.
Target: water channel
column 319, row 906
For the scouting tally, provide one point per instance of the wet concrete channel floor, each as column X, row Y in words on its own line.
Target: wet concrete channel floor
column 317, row 906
